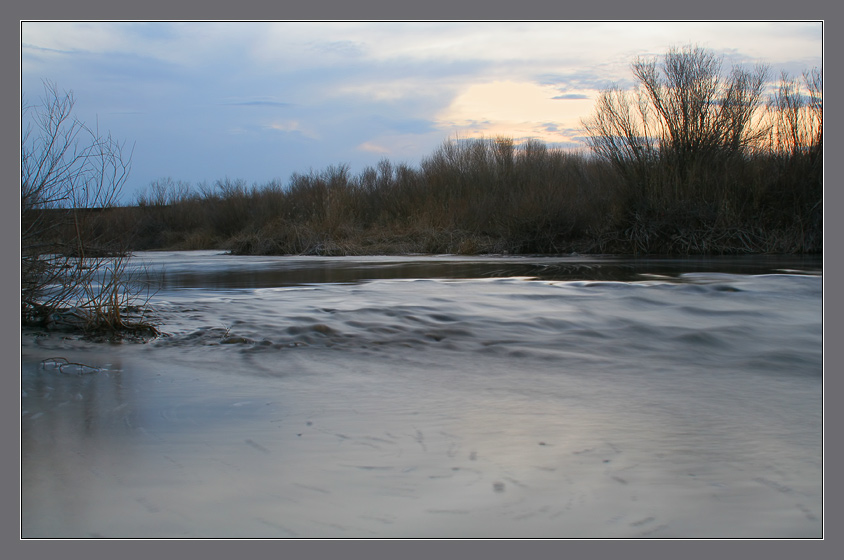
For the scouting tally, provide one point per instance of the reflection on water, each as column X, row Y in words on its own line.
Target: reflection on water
column 84, row 396
column 439, row 397
column 207, row 269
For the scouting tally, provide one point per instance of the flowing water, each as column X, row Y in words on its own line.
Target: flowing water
column 492, row 397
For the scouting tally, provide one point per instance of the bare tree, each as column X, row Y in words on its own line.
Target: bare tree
column 795, row 143
column 70, row 173
column 814, row 84
column 619, row 132
column 796, row 113
column 698, row 111
column 684, row 112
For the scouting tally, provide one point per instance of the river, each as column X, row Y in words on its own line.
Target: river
column 437, row 397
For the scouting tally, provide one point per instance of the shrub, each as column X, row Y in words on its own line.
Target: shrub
column 73, row 268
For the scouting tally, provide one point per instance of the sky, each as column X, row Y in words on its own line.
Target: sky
column 257, row 101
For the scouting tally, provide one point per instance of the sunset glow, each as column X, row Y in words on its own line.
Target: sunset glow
column 518, row 109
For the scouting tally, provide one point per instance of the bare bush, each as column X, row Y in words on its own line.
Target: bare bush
column 684, row 116
column 704, row 159
column 796, row 115
column 73, row 269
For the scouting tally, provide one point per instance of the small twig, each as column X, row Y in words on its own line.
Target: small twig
column 62, row 363
column 57, row 361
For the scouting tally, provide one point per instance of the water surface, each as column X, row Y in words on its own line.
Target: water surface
column 581, row 397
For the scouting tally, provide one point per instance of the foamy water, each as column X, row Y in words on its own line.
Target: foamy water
column 439, row 397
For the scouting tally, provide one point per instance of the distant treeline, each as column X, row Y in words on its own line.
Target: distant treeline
column 489, row 196
column 692, row 162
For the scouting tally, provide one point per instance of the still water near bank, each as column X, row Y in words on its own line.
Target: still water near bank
column 439, row 397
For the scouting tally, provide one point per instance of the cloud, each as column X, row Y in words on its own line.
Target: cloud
column 258, row 103
column 294, row 127
column 287, row 126
column 571, row 96
column 514, row 109
column 587, row 80
column 344, row 48
column 29, row 46
column 372, row 147
column 399, row 125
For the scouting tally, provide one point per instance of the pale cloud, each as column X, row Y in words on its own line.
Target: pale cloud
column 498, row 48
column 343, row 48
column 256, row 102
column 385, row 90
column 288, row 126
column 292, row 126
column 517, row 109
column 403, row 147
column 567, row 96
column 372, row 147
column 67, row 37
column 394, row 89
column 181, row 43
column 521, row 47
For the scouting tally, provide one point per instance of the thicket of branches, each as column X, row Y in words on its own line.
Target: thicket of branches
column 73, row 268
column 467, row 197
column 706, row 162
